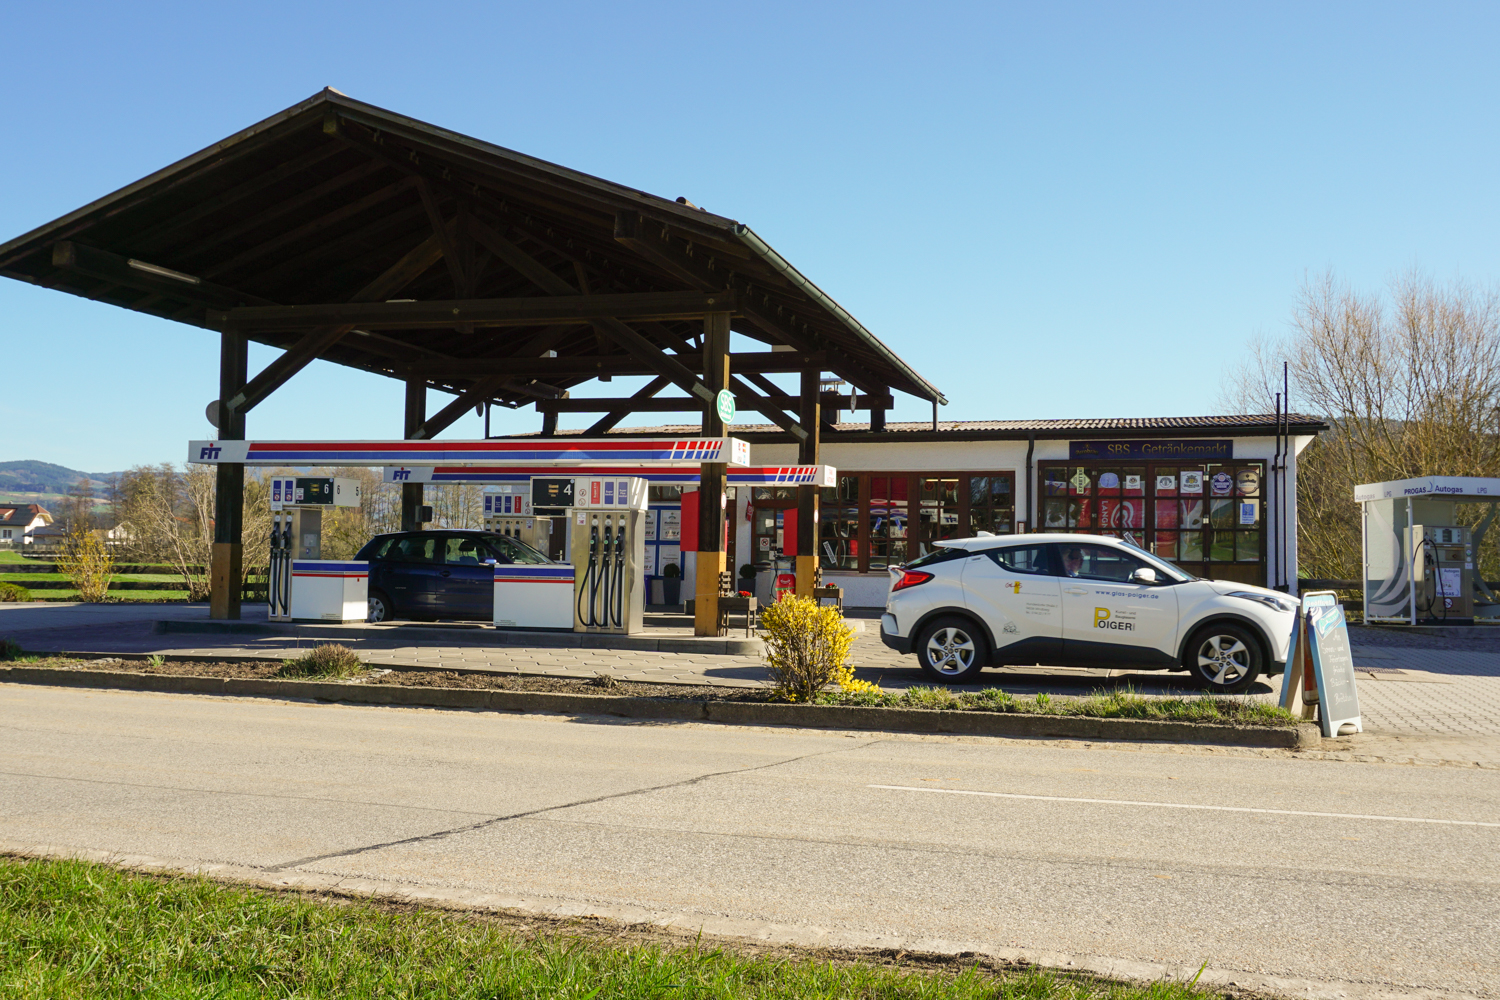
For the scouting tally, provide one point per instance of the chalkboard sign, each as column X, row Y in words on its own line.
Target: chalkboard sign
column 1333, row 668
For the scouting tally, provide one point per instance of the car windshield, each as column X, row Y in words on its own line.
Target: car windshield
column 516, row 551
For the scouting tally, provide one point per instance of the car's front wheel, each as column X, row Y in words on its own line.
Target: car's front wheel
column 381, row 609
column 952, row 651
column 1224, row 658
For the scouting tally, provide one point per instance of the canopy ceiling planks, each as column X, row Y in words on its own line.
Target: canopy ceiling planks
column 338, row 230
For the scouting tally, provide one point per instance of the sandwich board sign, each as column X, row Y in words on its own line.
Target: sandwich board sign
column 1320, row 671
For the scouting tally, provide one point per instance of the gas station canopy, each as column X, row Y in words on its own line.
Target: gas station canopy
column 1461, row 488
column 342, row 231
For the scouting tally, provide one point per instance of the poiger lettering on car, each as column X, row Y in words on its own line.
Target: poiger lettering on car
column 1102, row 619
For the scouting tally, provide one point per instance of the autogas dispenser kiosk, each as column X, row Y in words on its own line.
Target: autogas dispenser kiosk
column 607, row 540
column 302, row 585
column 1420, row 560
column 508, row 511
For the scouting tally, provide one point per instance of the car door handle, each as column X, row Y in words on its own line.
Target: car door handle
column 1076, row 590
column 445, row 573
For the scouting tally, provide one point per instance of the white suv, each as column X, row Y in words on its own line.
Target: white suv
column 1080, row 601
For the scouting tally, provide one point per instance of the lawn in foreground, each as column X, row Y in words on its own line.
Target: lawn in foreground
column 78, row 929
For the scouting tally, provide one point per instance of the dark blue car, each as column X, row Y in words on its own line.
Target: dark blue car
column 425, row 575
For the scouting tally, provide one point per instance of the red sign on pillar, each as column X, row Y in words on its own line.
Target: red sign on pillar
column 789, row 532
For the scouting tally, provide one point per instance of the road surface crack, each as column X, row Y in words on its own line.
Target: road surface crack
column 497, row 820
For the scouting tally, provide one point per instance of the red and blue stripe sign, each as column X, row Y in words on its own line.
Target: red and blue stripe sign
column 331, row 570
column 655, row 451
column 790, row 475
column 534, row 574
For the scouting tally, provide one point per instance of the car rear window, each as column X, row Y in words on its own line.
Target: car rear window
column 941, row 554
column 1032, row 559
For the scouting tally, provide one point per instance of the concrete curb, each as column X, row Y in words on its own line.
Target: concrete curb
column 717, row 645
column 906, row 720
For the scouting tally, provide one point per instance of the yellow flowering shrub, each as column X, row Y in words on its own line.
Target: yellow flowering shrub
column 807, row 648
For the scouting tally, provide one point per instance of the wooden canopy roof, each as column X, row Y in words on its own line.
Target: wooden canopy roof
column 339, row 230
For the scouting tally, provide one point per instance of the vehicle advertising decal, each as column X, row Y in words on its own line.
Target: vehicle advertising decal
column 1011, row 628
column 1192, row 481
column 1014, row 586
column 1121, row 622
column 1223, row 484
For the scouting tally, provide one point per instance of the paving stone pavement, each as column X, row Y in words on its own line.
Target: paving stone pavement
column 1439, row 698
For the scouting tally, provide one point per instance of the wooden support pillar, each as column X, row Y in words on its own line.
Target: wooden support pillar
column 416, row 416
column 226, row 566
column 712, row 478
column 807, row 496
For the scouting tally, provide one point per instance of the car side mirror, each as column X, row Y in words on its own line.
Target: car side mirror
column 1143, row 575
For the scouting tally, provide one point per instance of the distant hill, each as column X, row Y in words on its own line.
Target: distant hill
column 44, row 477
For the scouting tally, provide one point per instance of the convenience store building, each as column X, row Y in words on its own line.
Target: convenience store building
column 1216, row 495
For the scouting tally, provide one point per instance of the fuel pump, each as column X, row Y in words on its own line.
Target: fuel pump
column 303, row 586
column 508, row 511
column 607, row 528
column 1442, row 571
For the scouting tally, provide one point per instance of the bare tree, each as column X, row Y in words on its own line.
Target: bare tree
column 1409, row 381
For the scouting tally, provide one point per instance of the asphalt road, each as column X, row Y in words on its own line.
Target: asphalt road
column 1353, row 876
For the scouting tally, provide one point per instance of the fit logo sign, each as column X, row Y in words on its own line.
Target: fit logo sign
column 1102, row 619
column 209, row 453
column 401, row 475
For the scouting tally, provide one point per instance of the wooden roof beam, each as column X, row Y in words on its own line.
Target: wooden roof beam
column 590, row 365
column 645, row 238
column 148, row 277
column 480, row 312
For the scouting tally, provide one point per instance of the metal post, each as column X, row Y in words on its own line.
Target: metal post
column 807, row 496
column 416, row 415
column 226, row 576
column 1411, row 563
column 712, row 479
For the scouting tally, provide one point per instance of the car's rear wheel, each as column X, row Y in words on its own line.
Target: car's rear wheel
column 381, row 609
column 1224, row 658
column 952, row 650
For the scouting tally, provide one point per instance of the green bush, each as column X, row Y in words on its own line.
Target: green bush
column 327, row 660
column 10, row 649
column 10, row 592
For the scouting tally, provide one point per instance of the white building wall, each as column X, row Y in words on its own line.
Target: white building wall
column 870, row 589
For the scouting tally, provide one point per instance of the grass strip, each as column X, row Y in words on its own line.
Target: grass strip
column 78, row 929
column 1119, row 703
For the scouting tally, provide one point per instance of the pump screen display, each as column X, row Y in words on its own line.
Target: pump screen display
column 310, row 491
column 556, row 493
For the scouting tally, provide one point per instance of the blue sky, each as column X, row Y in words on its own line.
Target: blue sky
column 1059, row 210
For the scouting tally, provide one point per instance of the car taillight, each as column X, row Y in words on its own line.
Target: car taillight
column 910, row 578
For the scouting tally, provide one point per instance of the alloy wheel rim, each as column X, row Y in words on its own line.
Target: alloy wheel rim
column 1223, row 659
column 950, row 651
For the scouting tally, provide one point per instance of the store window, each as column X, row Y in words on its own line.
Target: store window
column 838, row 525
column 875, row 520
column 1204, row 516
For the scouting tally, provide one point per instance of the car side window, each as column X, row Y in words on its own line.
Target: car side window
column 460, row 550
column 414, row 549
column 1031, row 559
column 1098, row 562
column 376, row 549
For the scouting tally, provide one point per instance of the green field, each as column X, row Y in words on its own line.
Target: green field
column 73, row 929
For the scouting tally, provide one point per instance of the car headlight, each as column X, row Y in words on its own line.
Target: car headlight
column 1285, row 605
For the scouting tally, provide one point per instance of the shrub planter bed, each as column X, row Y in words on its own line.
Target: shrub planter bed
column 736, row 706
